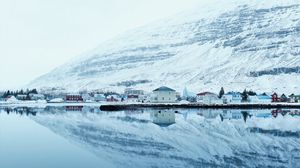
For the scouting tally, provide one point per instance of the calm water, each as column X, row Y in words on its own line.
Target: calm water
column 85, row 137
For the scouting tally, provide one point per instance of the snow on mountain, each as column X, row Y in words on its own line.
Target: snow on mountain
column 235, row 44
column 130, row 139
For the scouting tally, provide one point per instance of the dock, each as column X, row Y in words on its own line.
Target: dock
column 120, row 107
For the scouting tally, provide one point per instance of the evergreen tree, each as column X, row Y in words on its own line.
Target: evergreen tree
column 222, row 92
column 244, row 95
column 34, row 91
column 4, row 95
column 251, row 93
column 28, row 97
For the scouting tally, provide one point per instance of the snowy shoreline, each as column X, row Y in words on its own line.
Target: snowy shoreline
column 105, row 106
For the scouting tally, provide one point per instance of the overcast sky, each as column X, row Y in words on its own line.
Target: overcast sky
column 38, row 35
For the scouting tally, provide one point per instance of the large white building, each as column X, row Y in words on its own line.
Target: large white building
column 163, row 95
column 208, row 98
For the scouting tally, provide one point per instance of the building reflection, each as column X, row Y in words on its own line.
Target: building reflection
column 163, row 118
column 235, row 115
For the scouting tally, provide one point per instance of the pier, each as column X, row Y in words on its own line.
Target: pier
column 119, row 107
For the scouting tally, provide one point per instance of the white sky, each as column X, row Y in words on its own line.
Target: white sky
column 38, row 35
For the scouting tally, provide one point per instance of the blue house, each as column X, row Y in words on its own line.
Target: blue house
column 264, row 98
column 232, row 97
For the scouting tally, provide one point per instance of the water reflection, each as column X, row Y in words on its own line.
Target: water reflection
column 178, row 138
column 163, row 117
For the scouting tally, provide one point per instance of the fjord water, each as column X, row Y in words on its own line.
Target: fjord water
column 80, row 137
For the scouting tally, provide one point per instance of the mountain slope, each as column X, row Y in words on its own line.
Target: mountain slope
column 237, row 44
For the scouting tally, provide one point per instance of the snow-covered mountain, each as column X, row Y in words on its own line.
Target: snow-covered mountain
column 236, row 44
column 130, row 139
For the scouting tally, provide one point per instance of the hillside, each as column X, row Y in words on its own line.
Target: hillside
column 234, row 44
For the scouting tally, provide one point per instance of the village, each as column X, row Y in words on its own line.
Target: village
column 159, row 95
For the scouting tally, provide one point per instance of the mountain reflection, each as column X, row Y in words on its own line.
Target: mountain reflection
column 178, row 138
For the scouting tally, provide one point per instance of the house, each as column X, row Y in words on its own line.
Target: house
column 113, row 98
column 135, row 95
column 99, row 97
column 11, row 99
column 232, row 97
column 22, row 97
column 87, row 97
column 144, row 98
column 34, row 96
column 163, row 118
column 294, row 98
column 275, row 97
column 208, row 98
column 163, row 95
column 133, row 98
column 74, row 98
column 284, row 98
column 264, row 98
column 130, row 91
column 253, row 99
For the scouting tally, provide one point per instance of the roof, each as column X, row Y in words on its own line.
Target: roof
column 262, row 96
column 205, row 93
column 233, row 93
column 164, row 88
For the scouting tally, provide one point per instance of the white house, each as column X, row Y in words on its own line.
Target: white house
column 163, row 95
column 208, row 98
column 21, row 97
column 36, row 96
column 11, row 99
column 253, row 99
column 232, row 97
column 163, row 118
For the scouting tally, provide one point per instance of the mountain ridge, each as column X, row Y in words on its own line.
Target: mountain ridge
column 230, row 47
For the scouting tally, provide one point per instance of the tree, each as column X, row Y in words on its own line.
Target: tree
column 4, row 95
column 244, row 95
column 7, row 94
column 34, row 91
column 27, row 97
column 222, row 92
column 251, row 93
